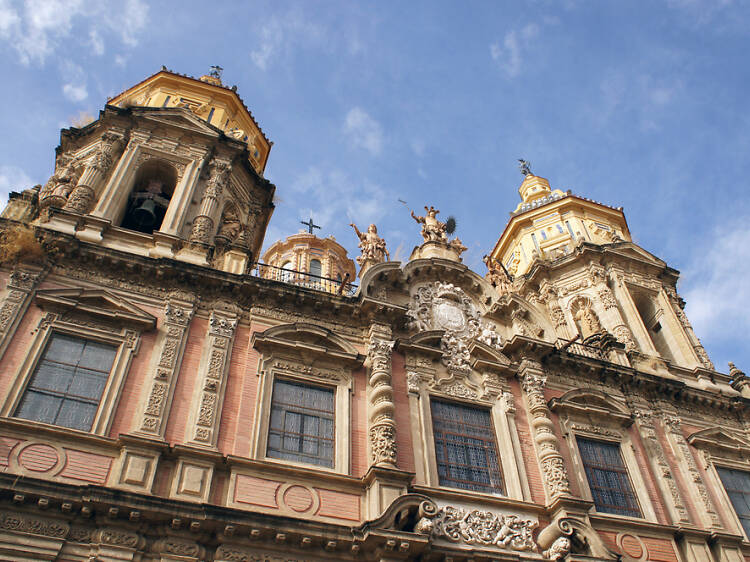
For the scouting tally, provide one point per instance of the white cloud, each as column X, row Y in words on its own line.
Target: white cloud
column 509, row 55
column 364, row 131
column 279, row 35
column 334, row 199
column 74, row 87
column 717, row 291
column 13, row 178
column 37, row 28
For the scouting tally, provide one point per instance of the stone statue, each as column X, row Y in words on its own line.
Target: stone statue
column 458, row 246
column 230, row 224
column 55, row 192
column 497, row 276
column 588, row 322
column 372, row 246
column 433, row 230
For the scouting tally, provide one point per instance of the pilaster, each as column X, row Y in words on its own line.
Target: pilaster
column 21, row 287
column 382, row 425
column 177, row 314
column 554, row 473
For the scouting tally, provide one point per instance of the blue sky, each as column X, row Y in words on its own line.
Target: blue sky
column 638, row 104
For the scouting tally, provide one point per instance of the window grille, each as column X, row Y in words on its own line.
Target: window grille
column 737, row 485
column 608, row 478
column 302, row 423
column 68, row 382
column 465, row 447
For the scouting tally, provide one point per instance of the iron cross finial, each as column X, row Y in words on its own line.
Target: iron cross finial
column 524, row 166
column 310, row 225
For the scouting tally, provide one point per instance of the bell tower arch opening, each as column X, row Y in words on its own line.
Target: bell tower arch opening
column 149, row 198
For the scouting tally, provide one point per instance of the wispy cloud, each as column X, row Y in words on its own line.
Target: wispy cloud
column 364, row 131
column 717, row 291
column 12, row 178
column 279, row 34
column 37, row 28
column 74, row 87
column 509, row 55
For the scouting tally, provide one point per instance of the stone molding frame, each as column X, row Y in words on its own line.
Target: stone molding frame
column 721, row 450
column 69, row 311
column 494, row 397
column 21, row 285
column 295, row 352
column 593, row 415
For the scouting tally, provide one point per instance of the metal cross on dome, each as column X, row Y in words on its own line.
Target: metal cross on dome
column 310, row 225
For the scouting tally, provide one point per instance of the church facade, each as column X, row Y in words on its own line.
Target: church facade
column 169, row 394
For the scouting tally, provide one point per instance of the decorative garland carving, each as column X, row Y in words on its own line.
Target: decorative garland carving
column 674, row 428
column 177, row 315
column 555, row 474
column 382, row 432
column 484, row 528
column 644, row 422
column 222, row 326
column 34, row 525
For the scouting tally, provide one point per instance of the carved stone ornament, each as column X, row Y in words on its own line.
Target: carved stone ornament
column 484, row 528
column 381, row 409
column 443, row 306
column 33, row 525
column 383, row 444
column 559, row 549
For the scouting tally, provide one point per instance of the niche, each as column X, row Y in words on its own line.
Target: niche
column 153, row 188
column 653, row 320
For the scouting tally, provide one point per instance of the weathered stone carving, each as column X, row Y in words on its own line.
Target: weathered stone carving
column 497, row 276
column 548, row 450
column 34, row 525
column 372, row 246
column 484, row 528
column 586, row 319
column 644, row 422
column 82, row 198
column 222, row 326
column 433, row 230
column 177, row 315
column 55, row 192
column 382, row 424
column 674, row 428
column 559, row 549
column 489, row 336
column 203, row 224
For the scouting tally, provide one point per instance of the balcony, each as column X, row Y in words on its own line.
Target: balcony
column 304, row 279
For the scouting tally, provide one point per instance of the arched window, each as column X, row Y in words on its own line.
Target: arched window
column 286, row 272
column 153, row 187
column 316, row 268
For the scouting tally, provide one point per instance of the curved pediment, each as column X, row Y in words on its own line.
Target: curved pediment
column 590, row 402
column 306, row 338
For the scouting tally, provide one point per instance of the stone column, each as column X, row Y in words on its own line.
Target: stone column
column 82, row 198
column 554, row 473
column 205, row 418
column 644, row 423
column 205, row 222
column 382, row 430
column 177, row 315
column 21, row 287
column 116, row 192
column 702, row 500
column 700, row 351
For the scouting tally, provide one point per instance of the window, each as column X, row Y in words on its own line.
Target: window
column 608, row 478
column 285, row 275
column 68, row 382
column 315, row 268
column 465, row 447
column 737, row 485
column 302, row 423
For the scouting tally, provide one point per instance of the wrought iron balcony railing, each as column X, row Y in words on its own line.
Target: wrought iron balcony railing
column 577, row 348
column 304, row 279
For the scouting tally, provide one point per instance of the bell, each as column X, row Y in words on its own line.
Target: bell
column 144, row 216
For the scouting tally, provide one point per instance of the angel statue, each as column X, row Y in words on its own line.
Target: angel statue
column 372, row 246
column 433, row 230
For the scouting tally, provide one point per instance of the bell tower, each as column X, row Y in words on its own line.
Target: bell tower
column 172, row 168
